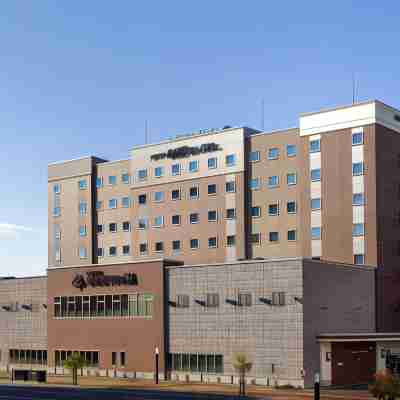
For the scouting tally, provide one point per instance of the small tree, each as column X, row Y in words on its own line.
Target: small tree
column 386, row 386
column 242, row 365
column 75, row 362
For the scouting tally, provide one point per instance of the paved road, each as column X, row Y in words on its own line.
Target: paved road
column 16, row 392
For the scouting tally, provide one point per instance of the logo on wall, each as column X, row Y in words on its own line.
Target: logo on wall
column 187, row 151
column 97, row 278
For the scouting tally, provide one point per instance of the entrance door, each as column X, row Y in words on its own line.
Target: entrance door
column 353, row 362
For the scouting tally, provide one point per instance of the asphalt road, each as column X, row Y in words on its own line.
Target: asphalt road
column 15, row 392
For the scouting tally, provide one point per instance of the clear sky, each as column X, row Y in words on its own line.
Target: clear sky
column 81, row 77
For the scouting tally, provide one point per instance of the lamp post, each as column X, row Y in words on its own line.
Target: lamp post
column 156, row 353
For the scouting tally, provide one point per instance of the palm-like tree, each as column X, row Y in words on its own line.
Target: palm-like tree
column 242, row 365
column 75, row 362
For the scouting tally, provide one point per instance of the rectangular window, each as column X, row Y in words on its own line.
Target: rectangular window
column 142, row 223
column 194, row 218
column 358, row 229
column 57, row 232
column 291, row 207
column 316, row 233
column 100, row 252
column 273, row 153
column 274, row 236
column 193, row 166
column 273, row 181
column 176, row 245
column 194, row 192
column 158, row 172
column 159, row 247
column 244, row 299
column 231, row 240
column 82, row 230
column 212, row 300
column 175, row 169
column 230, row 160
column 125, row 178
column 182, row 301
column 212, row 163
column 359, row 259
column 278, row 298
column 212, row 242
column 82, row 208
column 358, row 199
column 57, row 211
column 158, row 221
column 230, row 213
column 58, row 255
column 126, row 226
column 358, row 168
column 82, row 184
column 176, row 194
column 112, row 180
column 126, row 249
column 230, row 187
column 255, row 183
column 122, row 358
column 142, row 198
column 158, row 197
column 255, row 238
column 99, row 228
column 315, row 204
column 126, row 202
column 194, row 243
column 142, row 175
column 112, row 203
column 56, row 188
column 82, row 252
column 114, row 358
column 176, row 220
column 357, row 138
column 256, row 211
column 99, row 182
column 315, row 175
column 254, row 156
column 291, row 150
column 273, row 209
column 99, row 205
column 291, row 235
column 212, row 215
column 315, row 146
column 212, row 189
column 143, row 248
column 112, row 251
column 112, row 227
column 291, row 178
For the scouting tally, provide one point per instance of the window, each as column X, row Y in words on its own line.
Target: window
column 82, row 208
column 357, row 138
column 315, row 175
column 99, row 182
column 82, row 252
column 114, row 358
column 315, row 204
column 176, row 194
column 291, row 150
column 244, row 299
column 273, row 181
column 99, row 205
column 291, row 207
column 158, row 172
column 82, row 184
column 158, row 221
column 142, row 199
column 212, row 300
column 212, row 189
column 231, row 213
column 126, row 226
column 273, row 209
column 254, row 156
column 291, row 178
column 194, row 243
column 358, row 199
column 212, row 215
column 274, row 236
column 99, row 228
column 358, row 229
column 143, row 248
column 58, row 255
column 194, row 192
column 273, row 153
column 122, row 358
column 230, row 187
column 158, row 197
column 194, row 218
column 112, row 203
column 100, row 252
column 255, row 238
column 126, row 202
column 142, row 174
column 358, row 168
column 193, row 166
column 231, row 240
column 255, row 183
column 182, row 301
column 82, row 230
column 212, row 163
column 315, row 146
column 176, row 220
column 57, row 211
column 142, row 223
column 176, row 245
column 256, row 211
column 112, row 180
column 57, row 232
column 359, row 259
column 291, row 235
column 230, row 160
column 159, row 247
column 212, row 242
column 126, row 249
column 56, row 188
column 316, row 233
column 125, row 178
column 112, row 227
column 278, row 299
column 175, row 169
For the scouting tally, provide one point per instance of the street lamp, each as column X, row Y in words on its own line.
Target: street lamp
column 156, row 353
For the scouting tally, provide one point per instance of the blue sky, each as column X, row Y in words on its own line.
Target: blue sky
column 81, row 77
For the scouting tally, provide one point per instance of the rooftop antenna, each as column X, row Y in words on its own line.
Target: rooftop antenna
column 146, row 132
column 262, row 114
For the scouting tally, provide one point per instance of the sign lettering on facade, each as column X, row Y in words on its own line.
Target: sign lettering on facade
column 187, row 151
column 98, row 279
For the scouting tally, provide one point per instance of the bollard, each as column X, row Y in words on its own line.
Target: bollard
column 316, row 387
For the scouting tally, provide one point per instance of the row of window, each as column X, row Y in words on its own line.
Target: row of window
column 273, row 153
column 91, row 357
column 273, row 181
column 132, row 305
column 207, row 363
column 17, row 356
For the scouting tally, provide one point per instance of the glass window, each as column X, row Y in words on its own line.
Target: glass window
column 230, row 213
column 142, row 199
column 194, row 218
column 212, row 300
column 112, row 227
column 315, row 146
column 291, row 207
column 357, row 138
column 212, row 242
column 176, row 194
column 194, row 192
column 244, row 299
column 112, row 203
column 230, row 160
column 112, row 251
column 143, row 248
column 315, row 175
column 358, row 229
column 82, row 184
column 254, row 156
column 100, row 252
column 112, row 180
column 255, row 183
column 122, row 359
column 194, row 243
column 57, row 211
column 291, row 150
column 273, row 181
column 291, row 235
column 359, row 259
column 315, row 204
column 212, row 215
column 126, row 249
column 358, row 199
column 99, row 228
column 158, row 197
column 273, row 153
column 57, row 232
column 358, row 168
column 82, row 252
column 175, row 169
column 230, row 187
column 256, row 211
column 142, row 174
column 126, row 202
column 231, row 240
column 176, row 245
column 316, row 233
column 193, row 166
column 291, row 178
column 82, row 230
column 158, row 172
column 82, row 208
column 99, row 205
column 158, row 221
column 57, row 188
column 125, row 178
column 212, row 189
column 255, row 238
column 176, row 220
column 212, row 163
column 274, row 236
column 58, row 255
column 159, row 247
column 126, row 226
column 99, row 182
column 142, row 223
column 273, row 209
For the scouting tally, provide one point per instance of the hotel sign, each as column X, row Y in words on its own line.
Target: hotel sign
column 98, row 279
column 187, row 151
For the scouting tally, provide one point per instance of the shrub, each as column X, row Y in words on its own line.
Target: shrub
column 386, row 386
